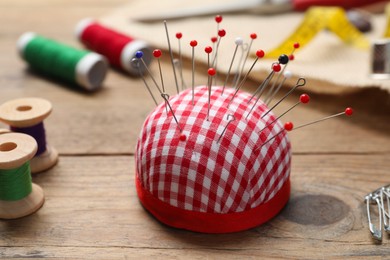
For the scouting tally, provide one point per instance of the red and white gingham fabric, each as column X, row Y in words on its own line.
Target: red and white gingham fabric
column 201, row 174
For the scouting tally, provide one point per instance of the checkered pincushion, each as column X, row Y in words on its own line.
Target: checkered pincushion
column 202, row 174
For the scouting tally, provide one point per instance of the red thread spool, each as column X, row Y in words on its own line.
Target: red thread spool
column 118, row 48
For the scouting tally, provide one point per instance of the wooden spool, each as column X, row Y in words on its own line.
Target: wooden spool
column 15, row 150
column 27, row 112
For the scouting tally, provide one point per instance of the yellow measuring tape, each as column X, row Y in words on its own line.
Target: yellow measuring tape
column 317, row 19
column 387, row 31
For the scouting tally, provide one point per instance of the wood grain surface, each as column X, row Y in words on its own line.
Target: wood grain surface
column 91, row 209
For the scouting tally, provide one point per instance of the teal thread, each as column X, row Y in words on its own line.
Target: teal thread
column 53, row 58
column 15, row 184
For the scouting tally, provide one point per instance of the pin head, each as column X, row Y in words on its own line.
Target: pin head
column 157, row 53
column 139, row 54
column 238, row 41
column 288, row 126
column 287, row 74
column 179, row 35
column 253, row 36
column 276, row 67
column 218, row 18
column 283, row 59
column 221, row 33
column 214, row 39
column 183, row 137
column 291, row 57
column 296, row 45
column 211, row 72
column 304, row 98
column 208, row 49
column 349, row 111
column 260, row 53
column 193, row 43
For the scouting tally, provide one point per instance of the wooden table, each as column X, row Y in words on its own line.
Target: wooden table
column 92, row 210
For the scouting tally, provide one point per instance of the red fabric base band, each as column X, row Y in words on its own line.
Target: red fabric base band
column 212, row 222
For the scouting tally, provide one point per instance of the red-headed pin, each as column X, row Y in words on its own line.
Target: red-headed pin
column 303, row 99
column 287, row 127
column 211, row 72
column 259, row 54
column 179, row 35
column 193, row 44
column 157, row 54
column 348, row 112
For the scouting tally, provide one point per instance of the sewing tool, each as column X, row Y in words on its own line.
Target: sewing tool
column 19, row 197
column 179, row 35
column 204, row 165
column 381, row 198
column 171, row 55
column 380, row 59
column 252, row 6
column 136, row 64
column 26, row 115
column 117, row 47
column 83, row 68
column 259, row 55
column 193, row 44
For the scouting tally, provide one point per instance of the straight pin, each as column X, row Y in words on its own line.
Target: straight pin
column 237, row 74
column 259, row 54
column 275, row 68
column 139, row 55
column 166, row 98
column 230, row 118
column 171, row 55
column 298, row 84
column 238, row 43
column 179, row 35
column 193, row 44
column 157, row 54
column 303, row 99
column 211, row 72
column 348, row 111
column 283, row 59
column 221, row 34
column 286, row 75
column 253, row 36
column 135, row 63
column 287, row 127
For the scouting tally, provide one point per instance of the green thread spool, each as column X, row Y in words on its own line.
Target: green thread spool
column 84, row 68
column 19, row 197
column 15, row 184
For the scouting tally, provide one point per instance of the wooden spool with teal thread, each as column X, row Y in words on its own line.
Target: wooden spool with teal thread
column 19, row 197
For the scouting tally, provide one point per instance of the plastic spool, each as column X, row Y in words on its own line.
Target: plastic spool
column 15, row 150
column 118, row 48
column 90, row 69
column 28, row 112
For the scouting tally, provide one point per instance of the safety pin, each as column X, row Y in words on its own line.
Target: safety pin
column 386, row 213
column 372, row 199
